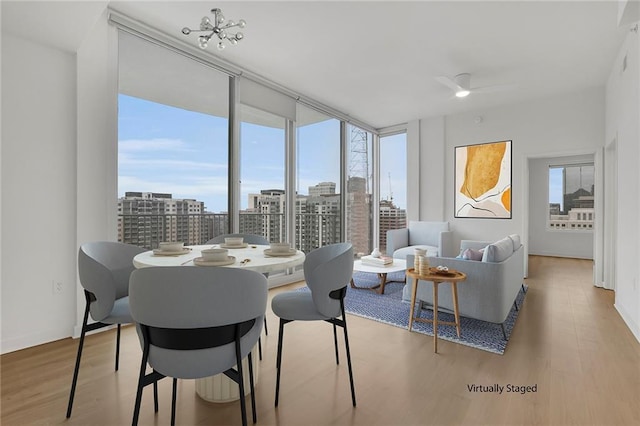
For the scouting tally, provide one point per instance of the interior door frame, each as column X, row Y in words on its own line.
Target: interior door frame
column 610, row 217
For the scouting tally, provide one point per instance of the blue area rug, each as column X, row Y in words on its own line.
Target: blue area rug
column 390, row 309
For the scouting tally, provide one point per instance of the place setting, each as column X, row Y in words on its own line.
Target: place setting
column 279, row 250
column 171, row 249
column 234, row 243
column 214, row 257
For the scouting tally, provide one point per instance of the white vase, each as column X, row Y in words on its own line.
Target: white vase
column 376, row 252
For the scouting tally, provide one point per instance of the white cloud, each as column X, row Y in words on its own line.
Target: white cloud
column 157, row 144
column 167, row 165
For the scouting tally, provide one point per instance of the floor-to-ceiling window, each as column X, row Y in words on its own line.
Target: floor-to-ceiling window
column 298, row 174
column 318, row 198
column 392, row 210
column 359, row 201
column 262, row 174
column 172, row 146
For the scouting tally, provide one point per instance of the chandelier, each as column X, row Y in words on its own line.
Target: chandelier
column 217, row 27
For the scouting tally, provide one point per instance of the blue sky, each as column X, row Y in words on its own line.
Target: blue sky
column 555, row 186
column 184, row 153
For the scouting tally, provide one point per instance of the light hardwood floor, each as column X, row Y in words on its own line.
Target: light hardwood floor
column 569, row 341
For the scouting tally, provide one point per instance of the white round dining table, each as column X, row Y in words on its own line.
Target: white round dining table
column 220, row 388
column 257, row 260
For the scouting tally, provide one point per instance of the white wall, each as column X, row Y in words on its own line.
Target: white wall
column 568, row 124
column 542, row 240
column 38, row 193
column 623, row 124
column 97, row 147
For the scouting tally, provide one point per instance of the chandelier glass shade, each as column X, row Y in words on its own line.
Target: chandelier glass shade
column 217, row 27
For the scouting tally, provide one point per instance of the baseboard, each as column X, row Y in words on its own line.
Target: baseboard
column 547, row 254
column 635, row 329
column 28, row 341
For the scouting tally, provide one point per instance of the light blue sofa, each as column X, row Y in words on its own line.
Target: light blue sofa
column 492, row 284
column 435, row 237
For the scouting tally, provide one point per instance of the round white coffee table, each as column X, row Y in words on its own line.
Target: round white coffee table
column 382, row 271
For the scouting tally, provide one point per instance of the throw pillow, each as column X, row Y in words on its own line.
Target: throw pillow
column 498, row 251
column 471, row 254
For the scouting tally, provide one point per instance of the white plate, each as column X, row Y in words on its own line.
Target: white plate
column 270, row 253
column 199, row 261
column 159, row 252
column 243, row 245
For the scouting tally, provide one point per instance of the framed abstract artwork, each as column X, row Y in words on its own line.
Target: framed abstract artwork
column 483, row 181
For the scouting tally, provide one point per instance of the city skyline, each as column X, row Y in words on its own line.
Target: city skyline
column 165, row 149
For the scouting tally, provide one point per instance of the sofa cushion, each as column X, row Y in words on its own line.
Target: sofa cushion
column 515, row 238
column 405, row 251
column 426, row 233
column 471, row 254
column 498, row 251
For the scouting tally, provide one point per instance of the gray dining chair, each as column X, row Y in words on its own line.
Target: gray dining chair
column 196, row 322
column 104, row 268
column 327, row 271
column 250, row 239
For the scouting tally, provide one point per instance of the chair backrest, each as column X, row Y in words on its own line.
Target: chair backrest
column 327, row 269
column 248, row 238
column 189, row 298
column 104, row 268
column 421, row 232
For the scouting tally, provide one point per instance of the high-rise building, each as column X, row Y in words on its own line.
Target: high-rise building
column 265, row 215
column 359, row 215
column 323, row 188
column 391, row 217
column 147, row 218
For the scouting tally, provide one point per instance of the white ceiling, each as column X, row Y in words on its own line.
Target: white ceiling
column 377, row 61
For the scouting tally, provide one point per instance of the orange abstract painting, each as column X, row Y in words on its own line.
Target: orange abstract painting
column 483, row 180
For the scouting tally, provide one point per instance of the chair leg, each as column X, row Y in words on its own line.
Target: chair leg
column 279, row 359
column 155, row 397
column 74, row 381
column 118, row 348
column 515, row 304
column 243, row 402
column 335, row 341
column 504, row 332
column 346, row 344
column 136, row 407
column 266, row 331
column 173, row 401
column 251, row 389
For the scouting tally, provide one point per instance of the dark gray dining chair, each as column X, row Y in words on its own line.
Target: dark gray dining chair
column 196, row 322
column 104, row 268
column 250, row 239
column 327, row 271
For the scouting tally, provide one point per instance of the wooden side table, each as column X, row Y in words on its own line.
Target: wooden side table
column 452, row 277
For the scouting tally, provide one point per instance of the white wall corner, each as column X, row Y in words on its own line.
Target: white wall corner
column 414, row 175
column 628, row 12
column 97, row 139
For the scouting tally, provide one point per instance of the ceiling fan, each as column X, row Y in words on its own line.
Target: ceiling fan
column 461, row 84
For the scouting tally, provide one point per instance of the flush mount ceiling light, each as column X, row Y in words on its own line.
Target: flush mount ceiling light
column 217, row 27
